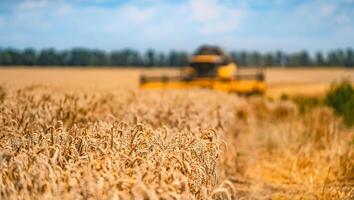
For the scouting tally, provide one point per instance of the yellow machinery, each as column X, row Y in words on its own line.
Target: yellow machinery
column 210, row 68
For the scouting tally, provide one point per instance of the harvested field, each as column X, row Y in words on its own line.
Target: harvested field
column 91, row 134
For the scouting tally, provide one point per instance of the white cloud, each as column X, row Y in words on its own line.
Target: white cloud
column 327, row 9
column 124, row 19
column 216, row 17
column 205, row 10
column 64, row 10
column 31, row 21
column 136, row 14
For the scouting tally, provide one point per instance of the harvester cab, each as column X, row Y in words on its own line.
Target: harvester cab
column 210, row 68
column 212, row 62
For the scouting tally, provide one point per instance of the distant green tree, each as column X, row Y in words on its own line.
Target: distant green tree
column 98, row 58
column 64, row 58
column 349, row 58
column 29, row 56
column 79, row 57
column 279, row 59
column 6, row 58
column 243, row 58
column 16, row 56
column 48, row 57
column 137, row 60
column 256, row 59
column 115, row 58
column 127, row 56
column 304, row 59
column 130, row 57
column 161, row 60
column 234, row 57
column 182, row 59
column 268, row 60
column 335, row 58
column 150, row 56
column 294, row 60
column 320, row 61
column 172, row 58
column 341, row 57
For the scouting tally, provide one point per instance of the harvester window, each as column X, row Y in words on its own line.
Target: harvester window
column 204, row 69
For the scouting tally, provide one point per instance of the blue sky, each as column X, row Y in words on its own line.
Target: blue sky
column 264, row 25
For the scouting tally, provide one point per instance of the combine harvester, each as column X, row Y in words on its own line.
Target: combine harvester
column 210, row 68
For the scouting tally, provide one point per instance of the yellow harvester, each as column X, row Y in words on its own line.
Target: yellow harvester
column 210, row 68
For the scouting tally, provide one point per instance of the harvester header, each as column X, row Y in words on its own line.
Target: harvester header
column 210, row 67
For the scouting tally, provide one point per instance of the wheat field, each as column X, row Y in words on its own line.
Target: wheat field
column 92, row 134
column 313, row 81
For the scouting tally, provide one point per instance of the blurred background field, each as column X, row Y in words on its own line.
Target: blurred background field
column 291, row 81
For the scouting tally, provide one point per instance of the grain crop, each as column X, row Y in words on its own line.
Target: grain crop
column 67, row 143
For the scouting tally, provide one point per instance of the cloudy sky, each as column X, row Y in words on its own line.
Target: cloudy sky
column 264, row 25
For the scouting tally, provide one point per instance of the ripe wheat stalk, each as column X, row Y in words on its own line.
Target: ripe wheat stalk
column 167, row 145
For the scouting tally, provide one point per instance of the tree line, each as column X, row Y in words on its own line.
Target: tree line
column 149, row 58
